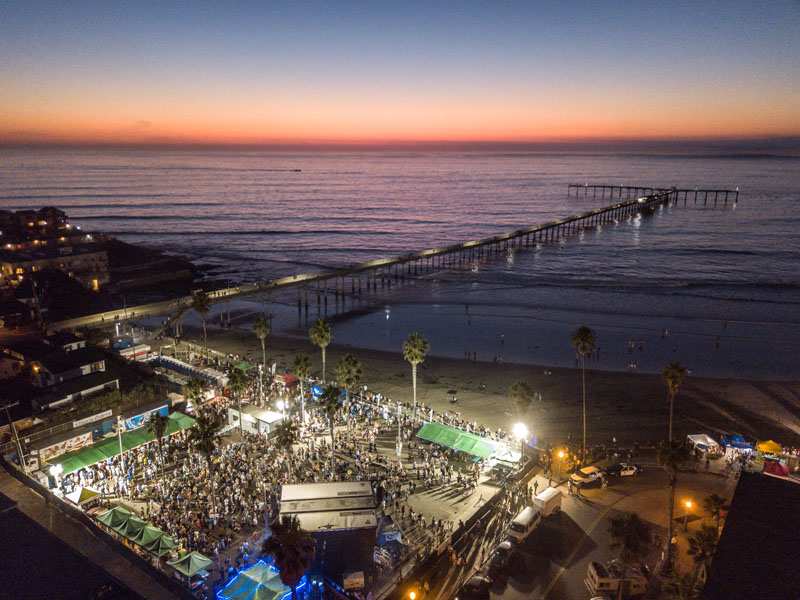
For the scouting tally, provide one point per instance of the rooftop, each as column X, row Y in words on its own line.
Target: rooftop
column 59, row 361
column 43, row 566
column 757, row 555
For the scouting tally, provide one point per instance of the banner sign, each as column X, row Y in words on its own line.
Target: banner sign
column 91, row 419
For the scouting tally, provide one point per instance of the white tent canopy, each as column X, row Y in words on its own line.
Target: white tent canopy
column 703, row 442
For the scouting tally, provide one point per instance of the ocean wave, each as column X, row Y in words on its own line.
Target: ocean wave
column 79, row 196
column 218, row 233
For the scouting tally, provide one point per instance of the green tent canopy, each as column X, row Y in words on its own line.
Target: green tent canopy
column 161, row 546
column 109, row 447
column 243, row 366
column 259, row 582
column 450, row 437
column 131, row 528
column 116, row 517
column 190, row 564
column 148, row 535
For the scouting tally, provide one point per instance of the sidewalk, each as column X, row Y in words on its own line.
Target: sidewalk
column 81, row 539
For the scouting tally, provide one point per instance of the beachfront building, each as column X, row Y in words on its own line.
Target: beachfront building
column 56, row 373
column 35, row 240
column 87, row 264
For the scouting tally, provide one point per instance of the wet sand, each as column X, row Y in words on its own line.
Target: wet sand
column 631, row 407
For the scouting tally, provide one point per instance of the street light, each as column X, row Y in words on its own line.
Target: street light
column 561, row 454
column 520, row 431
column 412, row 595
column 688, row 504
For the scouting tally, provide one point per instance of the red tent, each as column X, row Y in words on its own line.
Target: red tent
column 774, row 467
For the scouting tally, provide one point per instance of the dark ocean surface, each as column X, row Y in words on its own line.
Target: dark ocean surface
column 724, row 282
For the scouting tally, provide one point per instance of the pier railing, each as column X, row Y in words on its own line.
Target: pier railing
column 384, row 273
column 697, row 195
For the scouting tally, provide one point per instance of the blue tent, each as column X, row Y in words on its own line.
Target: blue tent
column 737, row 441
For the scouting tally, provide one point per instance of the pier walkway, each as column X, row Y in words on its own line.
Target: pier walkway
column 384, row 273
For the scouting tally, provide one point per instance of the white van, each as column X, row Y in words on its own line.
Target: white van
column 608, row 579
column 548, row 501
column 524, row 524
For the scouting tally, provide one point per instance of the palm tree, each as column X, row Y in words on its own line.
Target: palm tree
column 158, row 427
column 204, row 434
column 671, row 457
column 630, row 535
column 292, row 548
column 302, row 369
column 583, row 341
column 713, row 505
column 262, row 330
column 348, row 374
column 329, row 403
column 673, row 375
column 286, row 436
column 321, row 335
column 414, row 350
column 681, row 587
column 522, row 395
column 237, row 383
column 201, row 304
column 193, row 390
column 702, row 546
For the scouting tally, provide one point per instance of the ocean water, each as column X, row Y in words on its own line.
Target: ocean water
column 717, row 288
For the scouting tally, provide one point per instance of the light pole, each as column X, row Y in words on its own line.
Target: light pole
column 399, row 430
column 520, row 431
column 22, row 462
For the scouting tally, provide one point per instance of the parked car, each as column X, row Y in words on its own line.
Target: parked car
column 475, row 588
column 500, row 558
column 587, row 476
column 622, row 470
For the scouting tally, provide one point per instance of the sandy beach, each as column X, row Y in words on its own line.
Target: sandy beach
column 631, row 407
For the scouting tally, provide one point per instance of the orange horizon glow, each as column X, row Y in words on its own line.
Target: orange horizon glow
column 102, row 72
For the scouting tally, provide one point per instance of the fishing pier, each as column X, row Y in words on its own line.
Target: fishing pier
column 382, row 274
column 582, row 190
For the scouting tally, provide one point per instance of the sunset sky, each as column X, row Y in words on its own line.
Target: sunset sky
column 266, row 72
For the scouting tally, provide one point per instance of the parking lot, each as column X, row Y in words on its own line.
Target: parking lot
column 552, row 562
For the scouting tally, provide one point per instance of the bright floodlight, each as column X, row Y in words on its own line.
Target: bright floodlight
column 687, row 503
column 281, row 404
column 520, row 431
column 561, row 454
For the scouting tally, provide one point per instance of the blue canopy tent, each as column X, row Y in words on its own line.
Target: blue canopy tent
column 736, row 441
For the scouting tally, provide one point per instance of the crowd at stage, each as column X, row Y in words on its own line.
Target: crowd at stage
column 210, row 503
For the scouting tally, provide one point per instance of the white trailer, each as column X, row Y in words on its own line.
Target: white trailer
column 548, row 501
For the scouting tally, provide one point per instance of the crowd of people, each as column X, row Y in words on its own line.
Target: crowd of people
column 219, row 502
